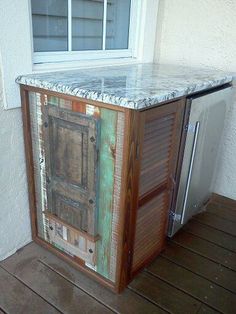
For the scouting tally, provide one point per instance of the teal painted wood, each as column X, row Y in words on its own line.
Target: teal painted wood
column 106, row 186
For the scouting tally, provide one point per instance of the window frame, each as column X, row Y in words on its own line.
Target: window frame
column 70, row 56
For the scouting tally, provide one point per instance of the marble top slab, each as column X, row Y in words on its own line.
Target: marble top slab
column 135, row 86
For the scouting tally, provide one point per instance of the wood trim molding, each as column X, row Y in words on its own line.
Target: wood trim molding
column 29, row 159
column 133, row 149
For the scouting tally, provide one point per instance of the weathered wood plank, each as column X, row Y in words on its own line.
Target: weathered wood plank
column 204, row 309
column 222, row 211
column 204, row 290
column 128, row 302
column 117, row 195
column 38, row 156
column 15, row 297
column 71, row 155
column 57, row 290
column 202, row 266
column 106, row 185
column 217, row 222
column 206, row 249
column 223, row 200
column 164, row 295
column 218, row 237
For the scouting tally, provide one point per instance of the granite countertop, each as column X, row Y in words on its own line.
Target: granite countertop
column 135, row 86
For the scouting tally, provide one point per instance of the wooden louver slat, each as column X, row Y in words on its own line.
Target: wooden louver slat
column 151, row 216
column 162, row 133
column 156, row 152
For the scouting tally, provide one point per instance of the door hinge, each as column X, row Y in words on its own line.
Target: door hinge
column 137, row 151
column 190, row 128
column 129, row 258
column 174, row 216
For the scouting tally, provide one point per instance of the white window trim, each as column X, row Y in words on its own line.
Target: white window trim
column 64, row 56
column 142, row 32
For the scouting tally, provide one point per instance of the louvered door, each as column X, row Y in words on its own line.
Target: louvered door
column 71, row 141
column 161, row 139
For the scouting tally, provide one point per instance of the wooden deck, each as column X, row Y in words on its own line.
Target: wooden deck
column 195, row 274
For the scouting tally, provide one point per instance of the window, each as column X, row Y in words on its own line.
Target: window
column 65, row 30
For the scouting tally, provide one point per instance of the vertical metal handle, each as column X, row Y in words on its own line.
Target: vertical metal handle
column 196, row 132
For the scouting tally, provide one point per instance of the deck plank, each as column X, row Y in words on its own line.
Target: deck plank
column 54, row 288
column 163, row 294
column 205, row 291
column 127, row 302
column 210, row 234
column 195, row 274
column 206, row 249
column 201, row 266
column 222, row 211
column 216, row 222
column 224, row 201
column 206, row 310
column 15, row 297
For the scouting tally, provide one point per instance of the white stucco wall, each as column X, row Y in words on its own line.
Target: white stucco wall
column 15, row 58
column 203, row 33
column 14, row 214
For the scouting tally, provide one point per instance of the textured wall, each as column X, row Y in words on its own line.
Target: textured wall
column 15, row 58
column 15, row 46
column 14, row 213
column 203, row 33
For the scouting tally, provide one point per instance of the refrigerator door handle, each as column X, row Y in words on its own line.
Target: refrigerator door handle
column 196, row 133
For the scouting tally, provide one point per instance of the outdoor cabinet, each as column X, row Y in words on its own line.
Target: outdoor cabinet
column 101, row 179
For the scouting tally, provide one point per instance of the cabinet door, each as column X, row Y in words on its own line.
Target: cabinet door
column 161, row 140
column 71, row 144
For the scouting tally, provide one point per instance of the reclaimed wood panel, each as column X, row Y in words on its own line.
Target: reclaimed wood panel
column 71, row 141
column 206, row 249
column 70, row 204
column 35, row 112
column 59, row 102
column 205, row 232
column 71, row 241
column 217, row 222
column 204, row 290
column 201, row 266
column 164, row 295
column 15, row 297
column 116, row 207
column 106, row 186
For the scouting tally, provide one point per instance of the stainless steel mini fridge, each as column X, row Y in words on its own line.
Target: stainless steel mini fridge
column 204, row 131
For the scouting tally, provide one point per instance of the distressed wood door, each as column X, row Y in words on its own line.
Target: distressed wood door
column 71, row 151
column 162, row 129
